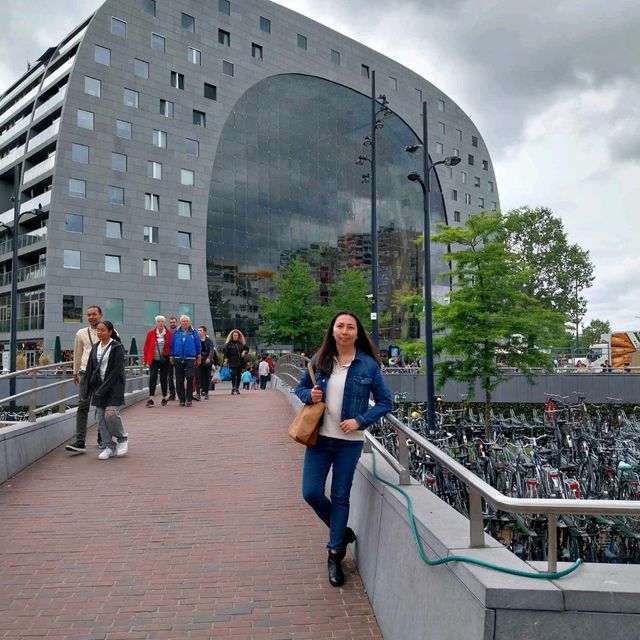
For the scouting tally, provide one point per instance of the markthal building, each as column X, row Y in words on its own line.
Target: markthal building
column 172, row 156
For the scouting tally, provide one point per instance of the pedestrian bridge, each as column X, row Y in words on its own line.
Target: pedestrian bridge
column 200, row 532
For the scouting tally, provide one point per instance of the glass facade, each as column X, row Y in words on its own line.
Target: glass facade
column 285, row 184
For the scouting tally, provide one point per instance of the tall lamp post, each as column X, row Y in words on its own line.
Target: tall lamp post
column 425, row 183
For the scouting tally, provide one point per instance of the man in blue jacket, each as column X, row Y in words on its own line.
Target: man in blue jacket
column 184, row 355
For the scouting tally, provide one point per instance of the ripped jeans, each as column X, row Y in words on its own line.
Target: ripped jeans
column 110, row 425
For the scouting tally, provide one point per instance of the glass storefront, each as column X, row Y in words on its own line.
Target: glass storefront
column 285, row 184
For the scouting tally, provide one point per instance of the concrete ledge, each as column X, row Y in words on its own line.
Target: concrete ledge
column 24, row 443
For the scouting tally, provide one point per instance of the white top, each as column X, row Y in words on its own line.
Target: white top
column 330, row 427
column 159, row 344
column 103, row 364
column 263, row 368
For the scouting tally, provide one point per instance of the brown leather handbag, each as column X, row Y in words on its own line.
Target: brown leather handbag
column 304, row 428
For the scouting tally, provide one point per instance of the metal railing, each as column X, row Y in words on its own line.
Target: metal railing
column 478, row 489
column 62, row 374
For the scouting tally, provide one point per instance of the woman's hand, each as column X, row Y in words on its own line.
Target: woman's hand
column 349, row 426
column 316, row 394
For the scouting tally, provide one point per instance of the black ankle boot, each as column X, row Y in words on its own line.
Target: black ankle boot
column 336, row 576
column 349, row 537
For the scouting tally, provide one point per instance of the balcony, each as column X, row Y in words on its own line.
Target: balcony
column 12, row 156
column 43, row 199
column 25, row 240
column 39, row 169
column 18, row 105
column 43, row 136
column 51, row 102
column 30, row 323
column 58, row 73
column 32, row 272
column 17, row 127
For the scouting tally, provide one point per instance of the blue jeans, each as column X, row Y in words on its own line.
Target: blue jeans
column 343, row 456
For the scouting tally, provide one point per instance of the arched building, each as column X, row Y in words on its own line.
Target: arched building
column 177, row 153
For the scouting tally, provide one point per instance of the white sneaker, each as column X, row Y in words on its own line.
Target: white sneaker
column 105, row 454
column 122, row 448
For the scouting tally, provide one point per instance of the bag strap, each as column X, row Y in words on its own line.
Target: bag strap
column 312, row 374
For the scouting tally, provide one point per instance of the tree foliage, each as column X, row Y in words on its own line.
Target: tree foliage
column 591, row 333
column 349, row 292
column 557, row 270
column 490, row 310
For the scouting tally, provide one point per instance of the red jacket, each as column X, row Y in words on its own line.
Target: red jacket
column 150, row 345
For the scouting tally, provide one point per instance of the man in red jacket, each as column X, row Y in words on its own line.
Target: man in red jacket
column 156, row 356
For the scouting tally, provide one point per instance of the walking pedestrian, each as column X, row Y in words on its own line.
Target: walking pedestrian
column 155, row 355
column 84, row 341
column 347, row 368
column 104, row 385
column 184, row 354
column 263, row 372
column 234, row 349
column 208, row 359
column 171, row 370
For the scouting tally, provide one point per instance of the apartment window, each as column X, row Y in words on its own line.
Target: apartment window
column 456, row 152
column 491, row 186
column 439, row 148
column 92, row 86
column 187, row 177
column 77, row 188
column 476, row 181
column 140, row 68
column 186, row 308
column 194, row 56
column 365, row 71
column 394, row 83
column 440, row 105
column 199, row 118
column 335, row 56
column 442, row 128
column 184, row 208
column 73, row 223
column 112, row 264
column 184, row 271
column 154, row 170
column 150, row 267
column 80, row 153
column 151, row 234
column 113, row 309
column 130, row 98
column 151, row 202
column 470, row 159
column 158, row 42
column 224, row 37
column 265, row 25
column 494, row 206
column 419, row 93
column 256, row 51
column 467, row 198
column 177, row 80
column 159, row 138
column 227, row 68
column 481, row 203
column 485, row 165
column 302, row 41
column 191, row 147
column 118, row 27
column 71, row 259
column 463, row 177
column 149, row 6
column 188, row 22
column 123, row 129
column 224, row 6
column 184, row 240
column 114, row 229
column 85, row 119
column 166, row 108
column 210, row 91
column 454, row 195
column 118, row 161
column 456, row 216
column 102, row 55
column 72, row 308
column 151, row 310
column 459, row 134
column 116, row 195
column 474, row 141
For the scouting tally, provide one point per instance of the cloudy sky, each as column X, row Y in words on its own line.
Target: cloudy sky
column 553, row 85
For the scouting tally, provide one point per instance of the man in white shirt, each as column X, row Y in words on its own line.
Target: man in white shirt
column 263, row 372
column 84, row 341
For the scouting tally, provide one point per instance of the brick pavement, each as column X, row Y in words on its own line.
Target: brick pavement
column 200, row 532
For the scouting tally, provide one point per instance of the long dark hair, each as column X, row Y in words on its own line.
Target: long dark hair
column 112, row 330
column 328, row 350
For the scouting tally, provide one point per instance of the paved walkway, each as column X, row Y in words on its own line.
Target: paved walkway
column 200, row 532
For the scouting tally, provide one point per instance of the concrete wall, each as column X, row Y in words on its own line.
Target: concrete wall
column 25, row 442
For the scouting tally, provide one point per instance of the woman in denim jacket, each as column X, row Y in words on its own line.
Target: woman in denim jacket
column 347, row 372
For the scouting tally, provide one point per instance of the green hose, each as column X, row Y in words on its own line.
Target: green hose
column 543, row 575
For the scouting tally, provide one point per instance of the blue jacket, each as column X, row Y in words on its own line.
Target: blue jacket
column 185, row 344
column 363, row 379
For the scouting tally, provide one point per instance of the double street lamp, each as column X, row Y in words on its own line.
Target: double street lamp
column 424, row 181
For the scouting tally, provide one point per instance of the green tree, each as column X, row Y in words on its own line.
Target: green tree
column 489, row 311
column 591, row 333
column 294, row 316
column 557, row 270
column 349, row 292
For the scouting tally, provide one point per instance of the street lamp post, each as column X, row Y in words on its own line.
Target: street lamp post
column 425, row 183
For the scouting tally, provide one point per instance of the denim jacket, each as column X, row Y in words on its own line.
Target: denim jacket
column 363, row 378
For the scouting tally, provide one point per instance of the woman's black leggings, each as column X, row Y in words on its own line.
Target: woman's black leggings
column 236, row 372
